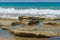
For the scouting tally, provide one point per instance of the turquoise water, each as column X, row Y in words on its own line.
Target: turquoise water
column 29, row 8
column 41, row 5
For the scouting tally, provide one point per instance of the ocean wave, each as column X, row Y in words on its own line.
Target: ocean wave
column 14, row 13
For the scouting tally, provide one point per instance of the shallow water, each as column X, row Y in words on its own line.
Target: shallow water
column 17, row 26
column 5, row 35
column 54, row 38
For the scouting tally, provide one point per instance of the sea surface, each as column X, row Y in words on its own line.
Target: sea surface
column 15, row 9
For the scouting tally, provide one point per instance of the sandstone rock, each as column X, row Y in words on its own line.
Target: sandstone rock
column 15, row 23
column 32, row 32
column 40, row 33
column 32, row 22
column 51, row 23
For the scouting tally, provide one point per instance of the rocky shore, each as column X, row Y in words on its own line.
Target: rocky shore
column 31, row 28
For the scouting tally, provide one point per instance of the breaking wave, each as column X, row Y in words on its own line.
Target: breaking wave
column 14, row 13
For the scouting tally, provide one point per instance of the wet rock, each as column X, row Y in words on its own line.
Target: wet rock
column 20, row 18
column 52, row 19
column 29, row 20
column 51, row 23
column 37, row 18
column 15, row 23
column 28, row 34
column 33, row 33
column 32, row 22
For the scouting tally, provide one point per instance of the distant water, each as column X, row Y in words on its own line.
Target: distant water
column 25, row 5
column 15, row 9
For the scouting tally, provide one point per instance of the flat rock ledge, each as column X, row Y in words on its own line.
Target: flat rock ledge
column 32, row 33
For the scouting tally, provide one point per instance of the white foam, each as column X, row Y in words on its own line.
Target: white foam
column 14, row 13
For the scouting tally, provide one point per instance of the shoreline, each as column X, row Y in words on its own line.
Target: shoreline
column 25, row 32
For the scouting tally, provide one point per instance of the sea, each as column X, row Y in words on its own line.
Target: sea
column 15, row 9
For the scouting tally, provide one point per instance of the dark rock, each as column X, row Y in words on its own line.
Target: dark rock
column 15, row 23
